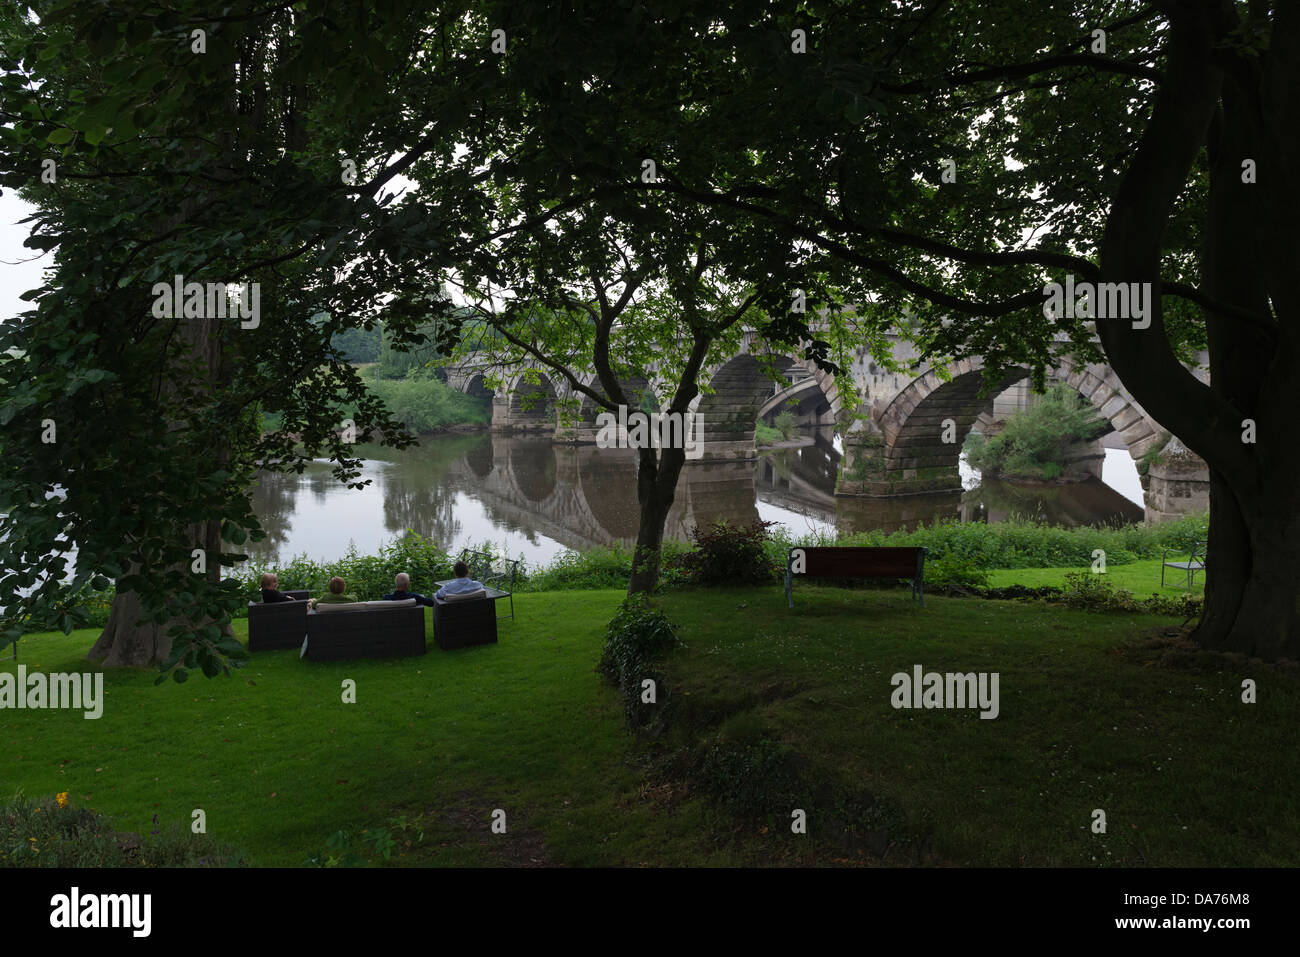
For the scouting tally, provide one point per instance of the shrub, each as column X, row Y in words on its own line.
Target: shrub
column 730, row 555
column 367, row 576
column 753, row 780
column 1034, row 442
column 638, row 636
column 785, row 424
column 52, row 833
column 1093, row 592
column 1089, row 590
column 951, row 570
column 596, row 568
column 764, row 434
column 1018, row 543
column 423, row 404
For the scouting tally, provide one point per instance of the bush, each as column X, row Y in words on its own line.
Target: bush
column 754, row 780
column 1093, row 592
column 785, row 424
column 52, row 833
column 951, row 570
column 424, row 403
column 369, row 577
column 764, row 434
column 1034, row 442
column 1019, row 543
column 637, row 637
column 729, row 555
column 1090, row 590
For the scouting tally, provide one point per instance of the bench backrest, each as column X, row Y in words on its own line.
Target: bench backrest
column 481, row 563
column 858, row 562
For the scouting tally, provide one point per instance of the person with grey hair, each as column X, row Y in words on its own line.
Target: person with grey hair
column 402, row 591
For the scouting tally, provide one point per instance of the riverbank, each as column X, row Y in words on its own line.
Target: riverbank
column 961, row 554
column 425, row 406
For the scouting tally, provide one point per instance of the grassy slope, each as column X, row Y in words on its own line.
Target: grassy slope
column 279, row 763
column 1187, row 774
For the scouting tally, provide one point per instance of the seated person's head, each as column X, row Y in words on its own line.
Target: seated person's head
column 402, row 582
column 337, row 585
column 269, row 581
column 460, row 569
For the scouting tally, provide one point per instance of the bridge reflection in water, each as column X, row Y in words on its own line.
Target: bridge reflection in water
column 540, row 497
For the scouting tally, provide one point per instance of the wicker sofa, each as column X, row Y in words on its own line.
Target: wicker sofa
column 364, row 629
column 279, row 624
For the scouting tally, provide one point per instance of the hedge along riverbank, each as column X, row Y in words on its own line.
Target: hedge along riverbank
column 953, row 545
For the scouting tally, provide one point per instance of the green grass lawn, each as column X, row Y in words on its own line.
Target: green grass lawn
column 1186, row 774
column 279, row 763
column 1142, row 577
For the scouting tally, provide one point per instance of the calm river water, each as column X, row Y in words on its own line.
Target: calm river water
column 537, row 499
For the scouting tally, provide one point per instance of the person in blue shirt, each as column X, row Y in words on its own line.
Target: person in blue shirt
column 402, row 591
column 462, row 585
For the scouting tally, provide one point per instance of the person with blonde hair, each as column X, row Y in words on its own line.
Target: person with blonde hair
column 337, row 595
column 270, row 590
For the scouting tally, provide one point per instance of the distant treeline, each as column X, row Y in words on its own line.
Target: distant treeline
column 410, row 383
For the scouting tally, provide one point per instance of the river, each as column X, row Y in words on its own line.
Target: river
column 537, row 499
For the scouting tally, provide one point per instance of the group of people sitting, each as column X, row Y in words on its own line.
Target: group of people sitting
column 338, row 594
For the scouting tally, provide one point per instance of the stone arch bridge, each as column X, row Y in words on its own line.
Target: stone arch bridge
column 906, row 438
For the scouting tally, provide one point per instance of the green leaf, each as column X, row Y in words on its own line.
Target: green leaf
column 60, row 136
column 103, row 39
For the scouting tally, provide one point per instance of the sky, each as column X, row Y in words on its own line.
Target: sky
column 20, row 267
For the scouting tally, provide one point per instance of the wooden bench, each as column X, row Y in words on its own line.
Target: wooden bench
column 857, row 563
column 1195, row 563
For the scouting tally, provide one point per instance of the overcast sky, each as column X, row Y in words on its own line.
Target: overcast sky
column 20, row 267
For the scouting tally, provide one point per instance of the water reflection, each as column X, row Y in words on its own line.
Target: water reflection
column 539, row 498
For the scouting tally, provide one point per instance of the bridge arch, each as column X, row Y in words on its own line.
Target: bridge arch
column 532, row 403
column 640, row 394
column 477, row 387
column 741, row 389
column 911, row 456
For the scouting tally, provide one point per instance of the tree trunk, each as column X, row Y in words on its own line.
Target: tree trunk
column 1252, row 581
column 1253, row 569
column 124, row 643
column 656, row 486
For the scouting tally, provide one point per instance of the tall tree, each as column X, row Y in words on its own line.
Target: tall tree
column 612, row 311
column 179, row 144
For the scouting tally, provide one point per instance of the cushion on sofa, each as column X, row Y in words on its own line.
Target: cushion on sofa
column 466, row 596
column 381, row 604
column 328, row 607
